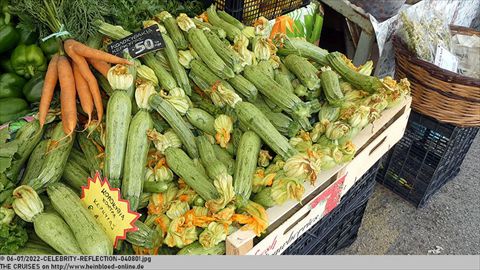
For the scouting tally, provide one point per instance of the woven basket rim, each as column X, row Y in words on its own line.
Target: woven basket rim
column 433, row 69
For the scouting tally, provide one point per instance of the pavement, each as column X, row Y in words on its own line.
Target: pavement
column 448, row 224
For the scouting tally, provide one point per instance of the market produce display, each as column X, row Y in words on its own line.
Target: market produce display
column 201, row 136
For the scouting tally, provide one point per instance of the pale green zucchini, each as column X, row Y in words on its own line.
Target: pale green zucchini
column 176, row 68
column 246, row 164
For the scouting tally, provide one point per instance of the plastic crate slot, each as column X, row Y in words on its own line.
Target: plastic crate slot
column 289, row 228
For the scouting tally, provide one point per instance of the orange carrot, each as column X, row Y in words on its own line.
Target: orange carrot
column 67, row 95
column 88, row 76
column 83, row 91
column 49, row 85
column 87, row 52
column 100, row 66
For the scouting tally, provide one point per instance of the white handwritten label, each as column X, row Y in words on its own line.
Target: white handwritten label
column 445, row 59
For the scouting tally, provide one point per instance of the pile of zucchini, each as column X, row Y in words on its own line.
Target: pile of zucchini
column 201, row 137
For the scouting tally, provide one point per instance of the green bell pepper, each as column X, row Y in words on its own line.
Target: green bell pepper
column 9, row 36
column 27, row 60
column 6, row 64
column 50, row 47
column 11, row 85
column 12, row 108
column 32, row 90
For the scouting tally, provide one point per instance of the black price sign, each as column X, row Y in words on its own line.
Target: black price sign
column 139, row 43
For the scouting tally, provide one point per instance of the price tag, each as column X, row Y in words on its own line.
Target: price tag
column 446, row 59
column 139, row 43
column 106, row 205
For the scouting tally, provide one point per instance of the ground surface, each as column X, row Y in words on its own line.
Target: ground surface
column 450, row 220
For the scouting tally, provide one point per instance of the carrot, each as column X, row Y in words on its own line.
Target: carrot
column 100, row 66
column 83, row 91
column 87, row 52
column 88, row 76
column 49, row 85
column 67, row 95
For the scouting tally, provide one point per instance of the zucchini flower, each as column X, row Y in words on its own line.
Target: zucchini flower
column 261, row 179
column 160, row 202
column 303, row 166
column 264, row 158
column 164, row 141
column 177, row 208
column 329, row 113
column 355, row 95
column 224, row 185
column 149, row 23
column 198, row 217
column 255, row 218
column 249, row 32
column 261, row 48
column 185, row 57
column 378, row 102
column 223, row 126
column 366, row 69
column 318, row 130
column 212, row 235
column 119, row 77
column 276, row 166
column 184, row 22
column 224, row 216
column 177, row 98
column 286, row 188
column 348, row 150
column 374, row 115
column 143, row 93
column 6, row 215
column 327, row 162
column 146, row 74
column 27, row 204
column 179, row 234
column 260, row 25
column 337, row 155
column 346, row 87
column 222, row 94
column 163, row 174
column 162, row 222
column 186, row 194
column 336, row 130
column 241, row 46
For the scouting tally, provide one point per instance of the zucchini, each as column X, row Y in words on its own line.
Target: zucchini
column 305, row 49
column 331, row 87
column 201, row 120
column 213, row 18
column 184, row 167
column 154, row 187
column 159, row 123
column 256, row 121
column 244, row 87
column 267, row 69
column 75, row 176
column 136, row 157
column 164, row 77
column 32, row 248
column 58, row 150
column 230, row 19
column 215, row 168
column 204, row 25
column 91, row 153
column 283, row 80
column 78, row 157
column 119, row 110
column 35, row 162
column 202, row 47
column 225, row 51
column 205, row 104
column 173, row 30
column 28, row 137
column 144, row 236
column 175, row 67
column 173, row 118
column 246, row 164
column 224, row 157
column 89, row 234
column 196, row 248
column 304, row 71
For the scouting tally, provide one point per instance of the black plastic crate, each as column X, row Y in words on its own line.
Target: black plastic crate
column 428, row 156
column 249, row 10
column 339, row 228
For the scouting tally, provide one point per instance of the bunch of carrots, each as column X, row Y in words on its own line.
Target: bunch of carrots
column 71, row 68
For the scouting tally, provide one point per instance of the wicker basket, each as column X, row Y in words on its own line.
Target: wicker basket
column 444, row 95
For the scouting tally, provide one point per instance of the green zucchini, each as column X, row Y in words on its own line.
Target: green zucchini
column 89, row 234
column 75, row 176
column 183, row 166
column 136, row 157
column 164, row 77
column 173, row 30
column 196, row 248
column 213, row 18
column 201, row 120
column 244, row 87
column 78, row 157
column 173, row 118
column 247, row 156
column 230, row 19
column 58, row 150
column 214, row 167
column 154, row 186
column 118, row 118
column 52, row 229
column 32, row 248
column 91, row 153
column 227, row 53
column 224, row 157
column 175, row 67
column 35, row 162
column 28, row 137
column 144, row 236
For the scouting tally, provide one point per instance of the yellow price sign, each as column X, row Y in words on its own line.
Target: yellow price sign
column 109, row 209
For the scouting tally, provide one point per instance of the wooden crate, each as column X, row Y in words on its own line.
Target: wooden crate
column 292, row 219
